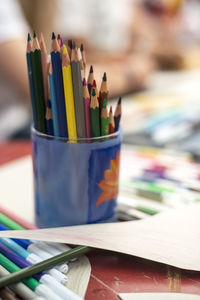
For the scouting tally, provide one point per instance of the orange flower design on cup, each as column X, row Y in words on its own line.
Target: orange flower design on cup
column 110, row 183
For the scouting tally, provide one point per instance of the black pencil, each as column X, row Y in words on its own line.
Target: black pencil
column 78, row 92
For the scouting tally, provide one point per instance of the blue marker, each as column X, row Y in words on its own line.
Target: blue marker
column 32, row 258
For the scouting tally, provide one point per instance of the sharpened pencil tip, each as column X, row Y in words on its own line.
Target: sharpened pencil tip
column 111, row 109
column 61, row 43
column 73, row 45
column 82, row 48
column 94, row 83
column 69, row 43
column 119, row 101
column 29, row 37
column 53, row 37
column 91, row 69
column 93, row 92
column 58, row 36
column 84, row 82
column 104, row 77
column 34, row 34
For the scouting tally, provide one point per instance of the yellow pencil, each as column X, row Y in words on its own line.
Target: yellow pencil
column 69, row 96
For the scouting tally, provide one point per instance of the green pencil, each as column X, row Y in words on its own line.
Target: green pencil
column 104, row 119
column 38, row 84
column 94, row 115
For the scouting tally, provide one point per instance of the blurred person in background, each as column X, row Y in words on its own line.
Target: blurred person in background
column 121, row 37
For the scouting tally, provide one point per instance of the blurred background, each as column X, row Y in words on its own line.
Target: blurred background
column 150, row 50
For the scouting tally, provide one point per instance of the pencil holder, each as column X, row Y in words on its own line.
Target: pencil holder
column 75, row 181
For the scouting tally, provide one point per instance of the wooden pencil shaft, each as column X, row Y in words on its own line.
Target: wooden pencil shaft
column 69, row 102
column 31, row 87
column 39, row 89
column 59, row 93
column 44, row 265
column 78, row 99
column 94, row 118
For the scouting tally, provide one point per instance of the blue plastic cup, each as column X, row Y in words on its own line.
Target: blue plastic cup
column 75, row 181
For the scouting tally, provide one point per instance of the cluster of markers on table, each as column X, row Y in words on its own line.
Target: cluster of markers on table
column 65, row 104
column 16, row 254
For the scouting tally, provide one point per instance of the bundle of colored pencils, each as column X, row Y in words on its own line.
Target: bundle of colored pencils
column 64, row 104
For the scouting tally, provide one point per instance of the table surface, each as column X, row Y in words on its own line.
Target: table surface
column 114, row 273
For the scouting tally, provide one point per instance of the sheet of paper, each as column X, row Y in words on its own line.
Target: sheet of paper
column 171, row 237
column 157, row 296
column 16, row 188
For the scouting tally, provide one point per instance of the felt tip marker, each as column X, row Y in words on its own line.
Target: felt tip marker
column 32, row 258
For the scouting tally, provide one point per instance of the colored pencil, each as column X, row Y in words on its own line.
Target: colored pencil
column 29, row 53
column 104, row 120
column 94, row 115
column 117, row 115
column 44, row 67
column 103, row 93
column 81, row 62
column 69, row 95
column 86, row 100
column 19, row 288
column 38, row 84
column 83, row 59
column 78, row 92
column 44, row 265
column 90, row 79
column 53, row 102
column 58, row 87
column 48, row 117
column 111, row 122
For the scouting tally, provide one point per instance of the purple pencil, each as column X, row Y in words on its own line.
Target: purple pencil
column 86, row 100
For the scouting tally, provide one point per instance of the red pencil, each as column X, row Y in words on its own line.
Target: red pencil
column 86, row 100
column 111, row 122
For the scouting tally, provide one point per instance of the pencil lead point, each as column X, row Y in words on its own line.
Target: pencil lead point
column 69, row 43
column 93, row 92
column 119, row 101
column 61, row 43
column 53, row 37
column 111, row 109
column 84, row 82
column 73, row 45
column 58, row 36
column 104, row 77
column 29, row 37
column 34, row 34
column 94, row 83
column 82, row 48
column 91, row 69
column 64, row 49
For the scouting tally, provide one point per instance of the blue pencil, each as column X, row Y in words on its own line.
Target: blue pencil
column 58, row 85
column 53, row 102
column 30, row 77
